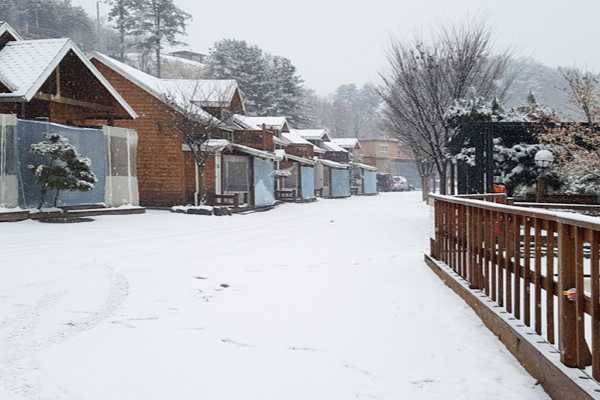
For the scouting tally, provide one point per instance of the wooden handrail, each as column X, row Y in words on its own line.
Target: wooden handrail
column 581, row 221
column 508, row 252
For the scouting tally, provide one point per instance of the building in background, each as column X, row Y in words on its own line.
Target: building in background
column 391, row 157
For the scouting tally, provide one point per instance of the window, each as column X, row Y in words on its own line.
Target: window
column 236, row 174
column 385, row 150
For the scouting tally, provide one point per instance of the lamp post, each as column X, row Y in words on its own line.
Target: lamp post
column 544, row 160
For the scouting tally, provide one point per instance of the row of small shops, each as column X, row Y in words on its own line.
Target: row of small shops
column 127, row 123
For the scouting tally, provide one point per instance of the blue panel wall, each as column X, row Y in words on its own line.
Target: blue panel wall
column 89, row 143
column 264, row 183
column 340, row 182
column 308, row 183
column 370, row 182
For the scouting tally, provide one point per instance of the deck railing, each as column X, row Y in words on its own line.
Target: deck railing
column 543, row 267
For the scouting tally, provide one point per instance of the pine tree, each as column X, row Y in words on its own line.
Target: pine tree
column 286, row 90
column 236, row 59
column 62, row 169
column 158, row 22
column 122, row 14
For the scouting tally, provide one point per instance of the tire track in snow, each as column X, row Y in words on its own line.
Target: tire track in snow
column 19, row 370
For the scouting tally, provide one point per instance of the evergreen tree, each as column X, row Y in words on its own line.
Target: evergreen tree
column 122, row 15
column 286, row 90
column 247, row 64
column 158, row 22
column 62, row 168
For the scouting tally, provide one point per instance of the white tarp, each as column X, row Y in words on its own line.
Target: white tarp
column 121, row 178
column 9, row 184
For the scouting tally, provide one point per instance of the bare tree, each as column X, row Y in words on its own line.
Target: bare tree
column 583, row 91
column 423, row 161
column 424, row 79
column 192, row 123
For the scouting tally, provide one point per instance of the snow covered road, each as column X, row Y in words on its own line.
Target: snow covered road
column 329, row 300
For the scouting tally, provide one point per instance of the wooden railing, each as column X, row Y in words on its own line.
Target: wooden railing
column 543, row 267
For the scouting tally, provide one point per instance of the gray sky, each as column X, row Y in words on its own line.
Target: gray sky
column 333, row 42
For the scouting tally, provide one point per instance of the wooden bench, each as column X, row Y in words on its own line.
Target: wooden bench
column 232, row 200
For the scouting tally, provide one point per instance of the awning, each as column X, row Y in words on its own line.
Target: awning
column 301, row 160
column 363, row 166
column 334, row 164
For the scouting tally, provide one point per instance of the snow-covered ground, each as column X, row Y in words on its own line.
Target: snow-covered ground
column 327, row 300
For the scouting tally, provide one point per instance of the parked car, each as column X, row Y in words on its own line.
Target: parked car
column 400, row 184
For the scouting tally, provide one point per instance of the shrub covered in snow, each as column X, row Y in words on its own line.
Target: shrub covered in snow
column 514, row 164
column 62, row 168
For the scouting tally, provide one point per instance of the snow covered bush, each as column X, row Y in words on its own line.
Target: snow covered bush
column 514, row 163
column 516, row 168
column 62, row 169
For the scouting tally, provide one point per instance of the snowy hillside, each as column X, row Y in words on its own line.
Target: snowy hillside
column 548, row 86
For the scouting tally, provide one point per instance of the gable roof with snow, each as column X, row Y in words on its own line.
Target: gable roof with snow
column 248, row 122
column 292, row 137
column 201, row 92
column 312, row 134
column 25, row 65
column 347, row 143
column 6, row 29
column 332, row 146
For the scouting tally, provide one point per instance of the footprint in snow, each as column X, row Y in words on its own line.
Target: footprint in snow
column 239, row 344
column 300, row 348
column 359, row 370
column 422, row 382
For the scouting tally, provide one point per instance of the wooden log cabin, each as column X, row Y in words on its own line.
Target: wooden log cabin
column 168, row 174
column 49, row 86
column 51, row 79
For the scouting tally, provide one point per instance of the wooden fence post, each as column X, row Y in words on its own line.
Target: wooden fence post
column 567, row 324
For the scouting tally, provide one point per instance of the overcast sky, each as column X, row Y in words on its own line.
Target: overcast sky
column 333, row 42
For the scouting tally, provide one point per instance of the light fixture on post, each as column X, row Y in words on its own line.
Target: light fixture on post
column 544, row 160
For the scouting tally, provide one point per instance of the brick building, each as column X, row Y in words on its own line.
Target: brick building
column 391, row 157
column 167, row 172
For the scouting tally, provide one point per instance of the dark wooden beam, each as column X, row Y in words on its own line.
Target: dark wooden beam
column 73, row 102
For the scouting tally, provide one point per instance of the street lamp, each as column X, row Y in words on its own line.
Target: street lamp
column 544, row 160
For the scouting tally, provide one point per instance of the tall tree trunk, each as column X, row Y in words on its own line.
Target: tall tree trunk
column 425, row 187
column 443, row 178
column 122, row 44
column 158, row 33
column 56, row 198
column 158, row 69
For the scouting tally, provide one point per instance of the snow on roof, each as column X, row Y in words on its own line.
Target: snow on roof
column 347, row 143
column 363, row 166
column 312, row 134
column 279, row 141
column 6, row 28
column 214, row 145
column 294, row 138
column 204, row 92
column 332, row 146
column 301, row 160
column 248, row 122
column 223, row 144
column 253, row 152
column 182, row 60
column 201, row 92
column 334, row 164
column 26, row 64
